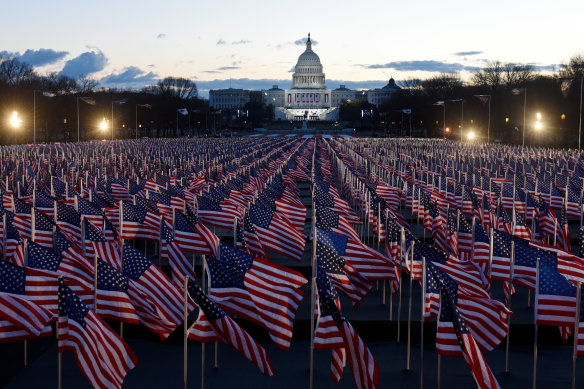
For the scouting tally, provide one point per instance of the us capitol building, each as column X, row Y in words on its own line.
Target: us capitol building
column 308, row 98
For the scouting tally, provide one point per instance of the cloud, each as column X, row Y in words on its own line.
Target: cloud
column 221, row 41
column 292, row 70
column 241, row 42
column 229, row 68
column 467, row 53
column 84, row 64
column 545, row 68
column 130, row 77
column 161, row 36
column 302, row 42
column 423, row 65
column 40, row 57
column 211, row 71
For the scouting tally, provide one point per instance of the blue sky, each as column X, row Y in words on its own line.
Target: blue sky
column 255, row 44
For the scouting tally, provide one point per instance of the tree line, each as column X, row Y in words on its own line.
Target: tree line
column 510, row 87
column 52, row 99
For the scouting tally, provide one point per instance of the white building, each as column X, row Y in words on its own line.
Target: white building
column 308, row 98
column 381, row 95
column 228, row 98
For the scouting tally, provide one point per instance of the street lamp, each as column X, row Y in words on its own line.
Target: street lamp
column 471, row 135
column 103, row 125
column 15, row 120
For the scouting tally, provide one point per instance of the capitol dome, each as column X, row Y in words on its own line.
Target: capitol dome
column 308, row 71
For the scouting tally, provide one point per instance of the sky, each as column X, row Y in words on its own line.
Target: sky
column 254, row 44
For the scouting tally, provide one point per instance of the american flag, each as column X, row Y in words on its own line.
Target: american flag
column 453, row 336
column 12, row 244
column 90, row 211
column 276, row 233
column 294, row 212
column 219, row 214
column 336, row 203
column 193, row 236
column 39, row 286
column 368, row 262
column 42, row 232
column 138, row 223
column 342, row 275
column 253, row 243
column 22, row 217
column 555, row 298
column 170, row 250
column 95, row 243
column 562, row 231
column 22, row 319
column 78, row 274
column 69, row 220
column 330, row 220
column 44, row 203
column 151, row 281
column 262, row 292
column 334, row 332
column 102, row 355
column 213, row 325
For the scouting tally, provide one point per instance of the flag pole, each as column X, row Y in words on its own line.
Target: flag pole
column 511, row 266
column 203, row 343
column 399, row 303
column 524, row 107
column 77, row 118
column 576, row 326
column 580, row 122
column 312, row 285
column 410, row 312
column 535, row 336
column 422, row 324
column 136, row 124
column 33, row 121
column 185, row 334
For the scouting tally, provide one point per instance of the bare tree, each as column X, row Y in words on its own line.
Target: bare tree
column 496, row 73
column 177, row 87
column 412, row 85
column 490, row 76
column 574, row 68
column 443, row 86
column 86, row 84
column 13, row 72
column 515, row 74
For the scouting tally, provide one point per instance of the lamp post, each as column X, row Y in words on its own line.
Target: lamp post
column 443, row 104
column 462, row 101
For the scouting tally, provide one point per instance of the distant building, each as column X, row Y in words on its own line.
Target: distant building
column 382, row 95
column 342, row 94
column 228, row 98
column 308, row 98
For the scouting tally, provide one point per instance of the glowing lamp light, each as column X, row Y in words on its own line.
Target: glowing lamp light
column 103, row 125
column 471, row 135
column 447, row 129
column 14, row 120
column 538, row 126
column 538, row 116
column 563, row 116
